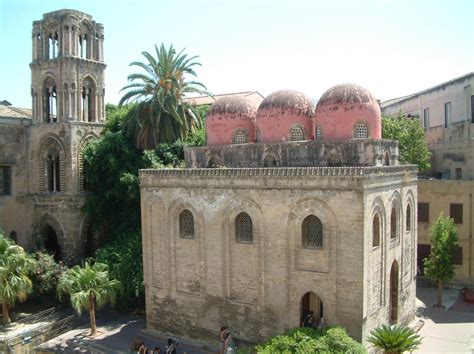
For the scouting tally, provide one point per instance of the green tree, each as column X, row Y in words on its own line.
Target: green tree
column 439, row 265
column 15, row 285
column 394, row 339
column 160, row 114
column 89, row 288
column 123, row 255
column 411, row 137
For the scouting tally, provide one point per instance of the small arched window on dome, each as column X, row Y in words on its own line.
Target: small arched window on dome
column 240, row 136
column 186, row 224
column 386, row 159
column 361, row 131
column 376, row 231
column 319, row 133
column 312, row 232
column 296, row 133
column 269, row 161
column 243, row 228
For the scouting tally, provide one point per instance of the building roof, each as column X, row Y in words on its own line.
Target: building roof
column 9, row 111
column 203, row 100
column 437, row 87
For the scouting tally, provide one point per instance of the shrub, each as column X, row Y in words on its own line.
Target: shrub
column 45, row 273
column 394, row 339
column 309, row 340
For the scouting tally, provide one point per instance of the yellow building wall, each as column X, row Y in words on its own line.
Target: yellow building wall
column 440, row 194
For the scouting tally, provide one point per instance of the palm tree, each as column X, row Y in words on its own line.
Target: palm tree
column 89, row 288
column 394, row 339
column 159, row 113
column 14, row 281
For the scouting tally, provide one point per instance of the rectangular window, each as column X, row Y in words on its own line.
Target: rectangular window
column 5, row 180
column 447, row 114
column 423, row 212
column 472, row 109
column 423, row 252
column 455, row 212
column 426, row 118
column 458, row 256
column 458, row 173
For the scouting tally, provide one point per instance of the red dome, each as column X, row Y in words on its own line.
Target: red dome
column 231, row 120
column 348, row 111
column 285, row 115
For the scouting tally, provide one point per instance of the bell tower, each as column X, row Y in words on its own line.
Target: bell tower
column 68, row 111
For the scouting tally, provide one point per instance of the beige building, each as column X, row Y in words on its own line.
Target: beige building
column 446, row 111
column 280, row 229
column 40, row 149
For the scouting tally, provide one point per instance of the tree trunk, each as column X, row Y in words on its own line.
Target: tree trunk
column 5, row 314
column 92, row 315
column 440, row 293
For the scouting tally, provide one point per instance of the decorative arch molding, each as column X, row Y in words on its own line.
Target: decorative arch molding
column 51, row 144
column 255, row 251
column 321, row 260
column 376, row 256
column 80, row 159
column 89, row 76
column 49, row 75
column 408, row 259
column 396, row 204
column 191, row 282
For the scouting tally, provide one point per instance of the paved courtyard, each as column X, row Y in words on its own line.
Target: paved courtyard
column 449, row 330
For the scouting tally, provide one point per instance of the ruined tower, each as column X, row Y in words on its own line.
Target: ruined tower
column 67, row 89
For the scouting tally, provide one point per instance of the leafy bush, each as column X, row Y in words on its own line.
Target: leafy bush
column 123, row 255
column 309, row 340
column 45, row 273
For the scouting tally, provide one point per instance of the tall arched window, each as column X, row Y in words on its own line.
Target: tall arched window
column 312, row 232
column 376, row 231
column 83, row 46
column 50, row 101
column 361, row 131
column 53, row 172
column 53, row 46
column 296, row 134
column 186, row 224
column 243, row 228
column 393, row 223
column 240, row 136
column 88, row 103
column 408, row 226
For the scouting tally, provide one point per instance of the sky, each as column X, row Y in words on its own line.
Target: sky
column 391, row 47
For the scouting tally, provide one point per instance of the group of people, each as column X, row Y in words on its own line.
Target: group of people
column 308, row 321
column 139, row 347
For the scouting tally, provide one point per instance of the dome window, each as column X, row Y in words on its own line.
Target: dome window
column 296, row 134
column 319, row 133
column 240, row 137
column 361, row 131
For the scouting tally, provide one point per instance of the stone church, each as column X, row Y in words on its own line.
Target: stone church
column 41, row 183
column 290, row 208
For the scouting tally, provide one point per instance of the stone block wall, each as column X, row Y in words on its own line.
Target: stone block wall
column 354, row 152
column 195, row 286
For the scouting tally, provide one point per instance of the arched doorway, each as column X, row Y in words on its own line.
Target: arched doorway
column 394, row 293
column 51, row 244
column 311, row 302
